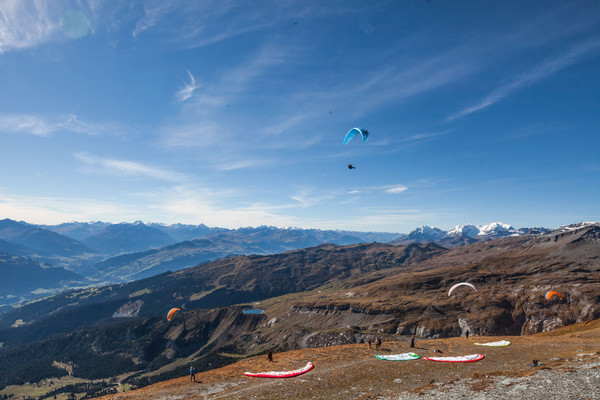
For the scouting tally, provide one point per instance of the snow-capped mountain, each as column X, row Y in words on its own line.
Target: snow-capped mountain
column 574, row 227
column 496, row 229
column 465, row 234
column 463, row 230
column 425, row 234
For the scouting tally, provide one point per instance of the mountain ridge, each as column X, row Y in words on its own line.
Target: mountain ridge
column 326, row 295
column 460, row 235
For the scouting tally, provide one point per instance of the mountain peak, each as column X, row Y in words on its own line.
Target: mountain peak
column 464, row 230
column 495, row 227
column 573, row 227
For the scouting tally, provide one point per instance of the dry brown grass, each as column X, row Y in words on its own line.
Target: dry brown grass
column 352, row 371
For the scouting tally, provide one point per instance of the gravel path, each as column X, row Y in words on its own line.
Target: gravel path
column 578, row 382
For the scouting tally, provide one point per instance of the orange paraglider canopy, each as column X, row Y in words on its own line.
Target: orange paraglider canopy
column 552, row 293
column 172, row 311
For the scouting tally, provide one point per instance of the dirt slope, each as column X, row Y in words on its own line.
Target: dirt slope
column 353, row 372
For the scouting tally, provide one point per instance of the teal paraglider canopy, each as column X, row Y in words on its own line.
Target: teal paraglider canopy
column 355, row 131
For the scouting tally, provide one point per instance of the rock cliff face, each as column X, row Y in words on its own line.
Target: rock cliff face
column 511, row 274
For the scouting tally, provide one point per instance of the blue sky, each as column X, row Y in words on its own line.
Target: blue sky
column 232, row 113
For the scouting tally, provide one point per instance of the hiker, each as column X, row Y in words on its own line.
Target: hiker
column 270, row 356
column 534, row 363
column 377, row 343
column 369, row 340
column 467, row 334
column 412, row 341
column 192, row 374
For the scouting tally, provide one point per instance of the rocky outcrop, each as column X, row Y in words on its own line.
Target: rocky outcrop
column 129, row 310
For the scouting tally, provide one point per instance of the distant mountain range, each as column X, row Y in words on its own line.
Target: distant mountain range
column 107, row 253
column 117, row 239
column 461, row 235
column 43, row 241
column 328, row 295
column 21, row 276
column 244, row 241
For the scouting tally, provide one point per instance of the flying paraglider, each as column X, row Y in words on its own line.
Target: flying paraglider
column 172, row 312
column 461, row 284
column 355, row 131
column 552, row 293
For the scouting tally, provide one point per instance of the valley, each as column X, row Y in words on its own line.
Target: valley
column 311, row 298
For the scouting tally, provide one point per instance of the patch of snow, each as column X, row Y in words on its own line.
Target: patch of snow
column 495, row 228
column 464, row 230
column 574, row 227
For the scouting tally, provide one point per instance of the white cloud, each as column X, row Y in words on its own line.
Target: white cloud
column 241, row 164
column 46, row 126
column 188, row 90
column 309, row 197
column 377, row 219
column 201, row 23
column 193, row 205
column 395, row 189
column 193, row 209
column 25, row 24
column 175, row 204
column 229, row 143
column 55, row 210
column 426, row 135
column 541, row 71
column 127, row 169
column 152, row 14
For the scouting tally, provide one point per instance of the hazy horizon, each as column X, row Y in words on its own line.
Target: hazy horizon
column 233, row 114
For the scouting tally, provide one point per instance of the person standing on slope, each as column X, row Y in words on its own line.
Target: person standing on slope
column 412, row 341
column 192, row 374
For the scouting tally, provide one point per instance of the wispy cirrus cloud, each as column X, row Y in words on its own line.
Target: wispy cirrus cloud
column 25, row 24
column 46, row 126
column 385, row 219
column 295, row 107
column 54, row 210
column 395, row 189
column 188, row 89
column 544, row 70
column 195, row 203
column 153, row 13
column 389, row 189
column 307, row 197
column 126, row 168
column 207, row 22
column 205, row 120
